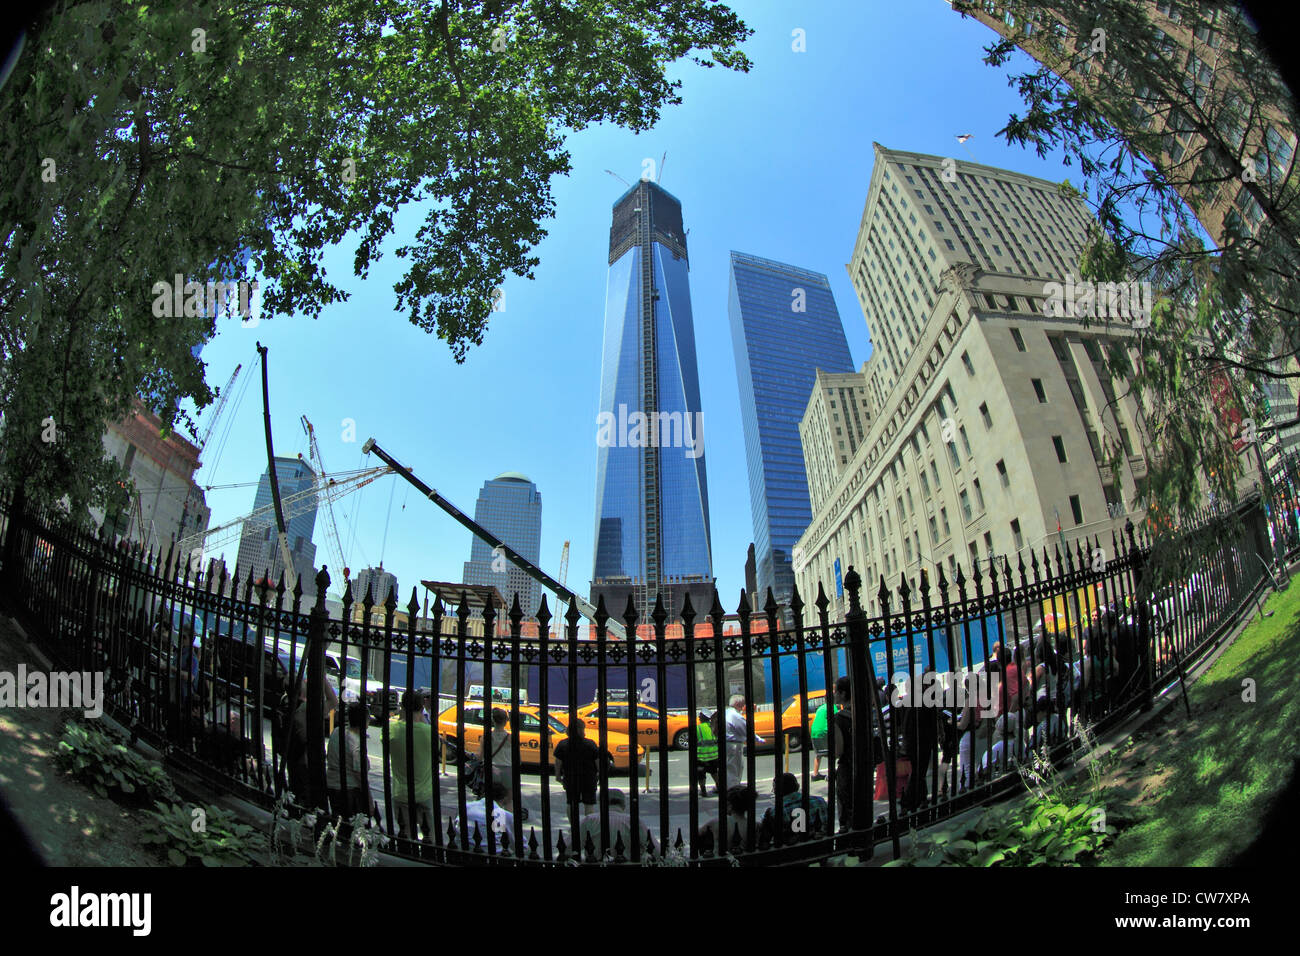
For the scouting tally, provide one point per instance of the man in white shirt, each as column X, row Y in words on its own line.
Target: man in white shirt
column 503, row 821
column 737, row 731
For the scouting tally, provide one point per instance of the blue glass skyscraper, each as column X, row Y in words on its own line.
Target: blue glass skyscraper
column 652, row 500
column 259, row 548
column 784, row 326
column 510, row 507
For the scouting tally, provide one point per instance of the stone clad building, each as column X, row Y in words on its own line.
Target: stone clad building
column 990, row 419
column 161, row 470
column 834, row 424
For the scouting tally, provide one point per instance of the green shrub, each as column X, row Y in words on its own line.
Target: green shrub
column 102, row 760
column 1042, row 832
column 203, row 836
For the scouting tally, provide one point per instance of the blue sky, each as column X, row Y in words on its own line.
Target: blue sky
column 775, row 163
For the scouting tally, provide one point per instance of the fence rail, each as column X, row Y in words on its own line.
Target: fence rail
column 933, row 702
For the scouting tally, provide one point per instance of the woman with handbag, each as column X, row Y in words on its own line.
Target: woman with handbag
column 495, row 756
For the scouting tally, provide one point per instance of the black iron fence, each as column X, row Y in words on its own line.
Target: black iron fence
column 534, row 742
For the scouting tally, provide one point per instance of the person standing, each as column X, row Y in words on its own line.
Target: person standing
column 921, row 743
column 820, row 733
column 706, row 755
column 347, row 768
column 495, row 751
column 412, row 739
column 737, row 734
column 842, row 726
column 577, row 766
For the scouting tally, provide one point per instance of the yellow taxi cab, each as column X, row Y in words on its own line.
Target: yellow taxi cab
column 619, row 747
column 765, row 720
column 618, row 717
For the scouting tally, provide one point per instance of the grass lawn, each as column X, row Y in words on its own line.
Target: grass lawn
column 1198, row 792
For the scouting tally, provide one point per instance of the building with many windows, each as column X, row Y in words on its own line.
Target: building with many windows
column 785, row 329
column 991, row 418
column 834, row 423
column 509, row 506
column 379, row 582
column 1190, row 77
column 259, row 547
column 164, row 505
column 652, row 499
column 1191, row 90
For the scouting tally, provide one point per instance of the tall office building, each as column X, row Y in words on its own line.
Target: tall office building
column 992, row 415
column 652, row 501
column 380, row 582
column 784, row 327
column 510, row 507
column 259, row 547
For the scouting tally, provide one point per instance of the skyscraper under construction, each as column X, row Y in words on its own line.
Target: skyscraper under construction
column 652, row 501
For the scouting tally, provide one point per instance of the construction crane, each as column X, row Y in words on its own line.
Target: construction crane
column 336, row 544
column 222, row 396
column 562, row 577
column 326, row 489
column 613, row 627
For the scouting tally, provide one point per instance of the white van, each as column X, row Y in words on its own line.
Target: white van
column 351, row 685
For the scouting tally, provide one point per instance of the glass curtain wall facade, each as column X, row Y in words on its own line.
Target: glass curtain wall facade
column 784, row 326
column 258, row 546
column 652, row 503
column 509, row 506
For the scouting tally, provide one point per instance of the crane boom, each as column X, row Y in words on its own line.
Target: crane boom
column 326, row 489
column 222, row 396
column 585, row 608
column 318, row 464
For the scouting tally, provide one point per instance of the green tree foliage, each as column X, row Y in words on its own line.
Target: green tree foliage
column 1174, row 135
column 144, row 141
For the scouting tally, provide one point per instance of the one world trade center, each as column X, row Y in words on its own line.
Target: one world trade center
column 652, row 500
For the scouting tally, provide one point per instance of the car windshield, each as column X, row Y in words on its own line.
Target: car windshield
column 556, row 725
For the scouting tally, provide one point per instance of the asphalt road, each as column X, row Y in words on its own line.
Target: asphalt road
column 649, row 802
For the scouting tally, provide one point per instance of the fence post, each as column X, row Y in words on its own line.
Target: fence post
column 862, row 684
column 1142, row 596
column 316, row 639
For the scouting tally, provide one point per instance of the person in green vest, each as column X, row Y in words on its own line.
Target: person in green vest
column 820, row 734
column 706, row 754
